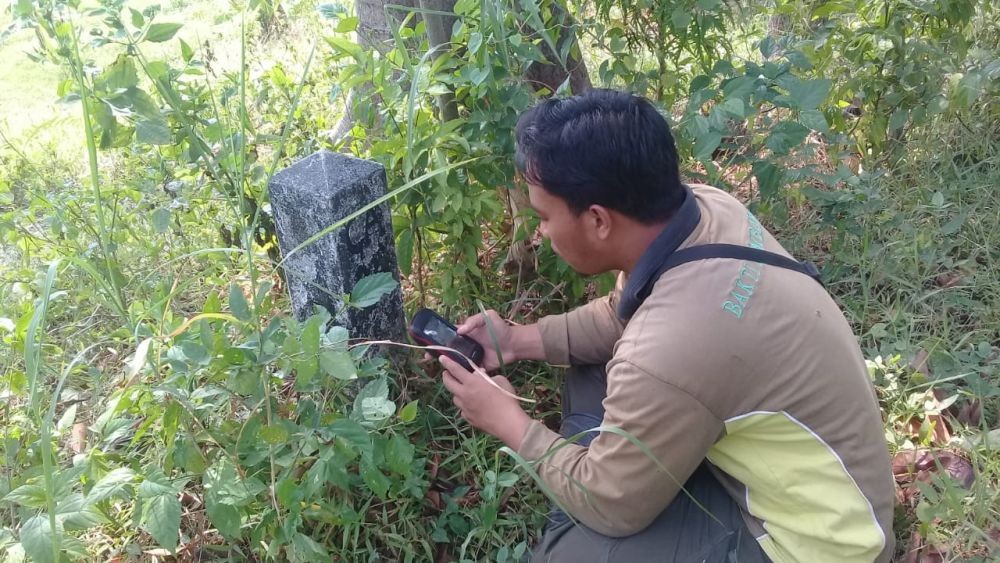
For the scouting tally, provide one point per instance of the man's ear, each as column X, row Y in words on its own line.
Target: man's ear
column 601, row 221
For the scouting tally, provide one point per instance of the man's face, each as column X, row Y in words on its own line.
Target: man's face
column 569, row 233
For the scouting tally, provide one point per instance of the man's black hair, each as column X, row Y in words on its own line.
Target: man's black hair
column 603, row 147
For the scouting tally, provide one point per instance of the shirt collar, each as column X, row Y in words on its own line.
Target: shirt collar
column 644, row 275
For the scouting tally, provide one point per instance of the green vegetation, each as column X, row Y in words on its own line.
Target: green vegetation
column 156, row 398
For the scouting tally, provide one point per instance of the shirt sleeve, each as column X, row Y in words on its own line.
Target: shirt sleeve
column 614, row 486
column 585, row 335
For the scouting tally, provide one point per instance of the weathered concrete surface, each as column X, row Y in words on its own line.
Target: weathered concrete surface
column 313, row 194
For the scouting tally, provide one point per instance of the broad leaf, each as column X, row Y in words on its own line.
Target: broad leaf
column 370, row 289
column 375, row 479
column 36, row 539
column 804, row 94
column 30, row 495
column 160, row 32
column 161, row 517
column 161, row 219
column 786, row 136
column 352, row 433
column 120, row 75
column 815, row 120
column 338, row 364
column 238, row 303
column 187, row 53
column 153, row 132
column 75, row 513
column 308, row 549
column 409, row 412
column 706, row 145
column 226, row 518
column 372, row 403
column 768, row 178
column 110, row 485
column 399, row 455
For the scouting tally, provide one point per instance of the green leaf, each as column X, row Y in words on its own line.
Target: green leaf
column 352, row 433
column 475, row 42
column 768, row 178
column 137, row 19
column 238, row 303
column 372, row 403
column 288, row 491
column 152, row 487
column 346, row 47
column 898, row 119
column 347, row 24
column 308, row 549
column 153, row 132
column 409, row 412
column 223, row 483
column 804, row 94
column 706, row 145
column 338, row 364
column 375, row 479
column 119, row 75
column 30, row 495
column 74, row 513
column 110, row 485
column 307, row 366
column 36, row 539
column 740, row 87
column 274, row 434
column 967, row 90
column 161, row 517
column 399, row 454
column 507, row 479
column 157, row 69
column 814, row 119
column 680, row 19
column 404, row 251
column 734, row 107
column 161, row 219
column 786, row 136
column 160, row 32
column 187, row 53
column 226, row 518
column 370, row 289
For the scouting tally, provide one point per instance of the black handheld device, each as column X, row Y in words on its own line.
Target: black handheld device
column 431, row 329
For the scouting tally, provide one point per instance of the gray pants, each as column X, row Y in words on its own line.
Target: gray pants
column 682, row 533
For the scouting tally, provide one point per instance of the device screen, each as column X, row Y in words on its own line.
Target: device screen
column 439, row 331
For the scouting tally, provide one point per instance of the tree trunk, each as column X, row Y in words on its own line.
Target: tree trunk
column 439, row 27
column 521, row 255
column 374, row 34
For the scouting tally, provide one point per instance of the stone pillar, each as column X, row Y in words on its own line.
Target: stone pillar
column 313, row 194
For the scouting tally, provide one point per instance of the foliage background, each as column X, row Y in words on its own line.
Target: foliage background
column 158, row 400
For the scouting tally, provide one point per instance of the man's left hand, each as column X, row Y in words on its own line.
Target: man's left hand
column 485, row 406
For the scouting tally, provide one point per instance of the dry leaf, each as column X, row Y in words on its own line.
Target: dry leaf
column 78, row 438
column 948, row 279
column 919, row 362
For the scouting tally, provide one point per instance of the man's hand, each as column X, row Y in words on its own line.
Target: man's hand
column 475, row 327
column 516, row 342
column 485, row 406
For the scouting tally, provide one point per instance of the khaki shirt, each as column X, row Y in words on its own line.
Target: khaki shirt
column 753, row 367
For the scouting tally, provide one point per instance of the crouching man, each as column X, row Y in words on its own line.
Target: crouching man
column 720, row 354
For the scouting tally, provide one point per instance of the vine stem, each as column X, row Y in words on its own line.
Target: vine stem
column 477, row 369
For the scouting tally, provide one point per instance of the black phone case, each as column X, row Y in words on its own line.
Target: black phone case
column 417, row 336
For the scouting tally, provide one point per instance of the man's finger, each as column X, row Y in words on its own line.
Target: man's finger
column 456, row 371
column 471, row 324
column 503, row 383
column 451, row 384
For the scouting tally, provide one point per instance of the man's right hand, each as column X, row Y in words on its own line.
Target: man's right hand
column 476, row 328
